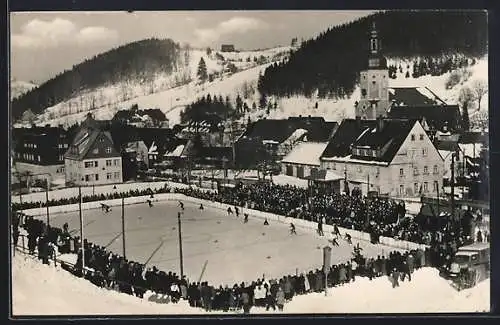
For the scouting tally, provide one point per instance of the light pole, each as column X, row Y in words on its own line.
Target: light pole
column 81, row 229
column 180, row 244
column 123, row 226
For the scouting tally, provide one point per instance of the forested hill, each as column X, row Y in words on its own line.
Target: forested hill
column 140, row 60
column 330, row 63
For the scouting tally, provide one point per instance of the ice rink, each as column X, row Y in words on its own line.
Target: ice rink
column 235, row 251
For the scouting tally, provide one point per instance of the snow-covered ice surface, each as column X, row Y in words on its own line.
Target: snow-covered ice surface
column 39, row 289
column 235, row 251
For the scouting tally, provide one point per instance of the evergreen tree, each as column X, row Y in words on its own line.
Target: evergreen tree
column 202, row 70
column 263, row 101
column 466, row 98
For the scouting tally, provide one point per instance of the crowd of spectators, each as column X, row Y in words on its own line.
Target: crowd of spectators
column 112, row 271
column 379, row 216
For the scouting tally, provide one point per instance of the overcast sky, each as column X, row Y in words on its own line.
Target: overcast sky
column 44, row 44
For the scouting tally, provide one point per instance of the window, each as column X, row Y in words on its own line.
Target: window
column 426, row 171
column 415, row 188
column 108, row 162
column 401, row 189
column 378, row 171
column 96, row 177
column 108, row 150
column 101, row 139
column 401, row 172
column 421, row 137
column 115, row 162
column 96, row 163
column 413, row 137
column 38, row 157
column 87, row 178
column 89, row 164
column 334, row 166
column 109, row 175
column 95, row 151
column 426, row 187
column 117, row 175
column 415, row 171
column 436, row 186
column 424, row 152
column 65, row 145
column 360, row 169
column 61, row 157
column 435, row 169
column 34, row 146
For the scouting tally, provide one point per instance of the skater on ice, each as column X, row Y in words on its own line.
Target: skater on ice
column 336, row 230
column 246, row 218
column 292, row 229
column 236, row 211
column 348, row 239
column 106, row 208
column 266, row 223
column 201, row 206
column 181, row 205
column 229, row 211
column 334, row 241
column 150, row 203
column 320, row 228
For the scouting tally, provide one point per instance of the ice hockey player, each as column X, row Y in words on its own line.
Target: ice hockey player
column 348, row 238
column 246, row 217
column 150, row 203
column 105, row 207
column 336, row 230
column 229, row 211
column 266, row 223
column 320, row 228
column 292, row 229
column 334, row 241
column 181, row 205
column 201, row 206
column 236, row 211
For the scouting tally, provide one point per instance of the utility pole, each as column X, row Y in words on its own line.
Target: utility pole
column 452, row 183
column 81, row 229
column 47, row 200
column 123, row 226
column 180, row 244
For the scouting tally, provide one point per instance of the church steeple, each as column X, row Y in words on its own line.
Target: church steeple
column 375, row 60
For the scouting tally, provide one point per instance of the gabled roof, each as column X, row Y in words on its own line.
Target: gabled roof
column 446, row 145
column 388, row 138
column 414, row 96
column 84, row 141
column 347, row 133
column 318, row 130
column 473, row 137
column 436, row 116
column 306, row 153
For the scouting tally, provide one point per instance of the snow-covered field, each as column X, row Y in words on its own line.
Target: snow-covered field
column 39, row 289
column 235, row 251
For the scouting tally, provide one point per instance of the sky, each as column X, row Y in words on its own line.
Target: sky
column 44, row 44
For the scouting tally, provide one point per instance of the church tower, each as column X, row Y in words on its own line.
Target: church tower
column 374, row 83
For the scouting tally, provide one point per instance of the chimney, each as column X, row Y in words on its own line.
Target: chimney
column 380, row 123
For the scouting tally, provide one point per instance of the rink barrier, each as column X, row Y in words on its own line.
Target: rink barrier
column 271, row 217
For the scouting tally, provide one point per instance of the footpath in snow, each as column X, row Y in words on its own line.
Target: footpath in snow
column 39, row 289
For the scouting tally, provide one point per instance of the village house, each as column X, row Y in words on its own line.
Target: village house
column 269, row 140
column 386, row 156
column 39, row 151
column 92, row 158
column 302, row 159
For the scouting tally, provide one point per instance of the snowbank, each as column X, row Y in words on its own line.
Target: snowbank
column 39, row 289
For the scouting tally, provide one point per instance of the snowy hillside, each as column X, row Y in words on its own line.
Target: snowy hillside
column 18, row 87
column 170, row 93
column 39, row 289
column 336, row 109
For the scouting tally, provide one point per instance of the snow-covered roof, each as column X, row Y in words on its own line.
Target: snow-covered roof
column 176, row 152
column 306, row 153
column 471, row 149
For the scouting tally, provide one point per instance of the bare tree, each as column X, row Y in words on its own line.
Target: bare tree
column 480, row 88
